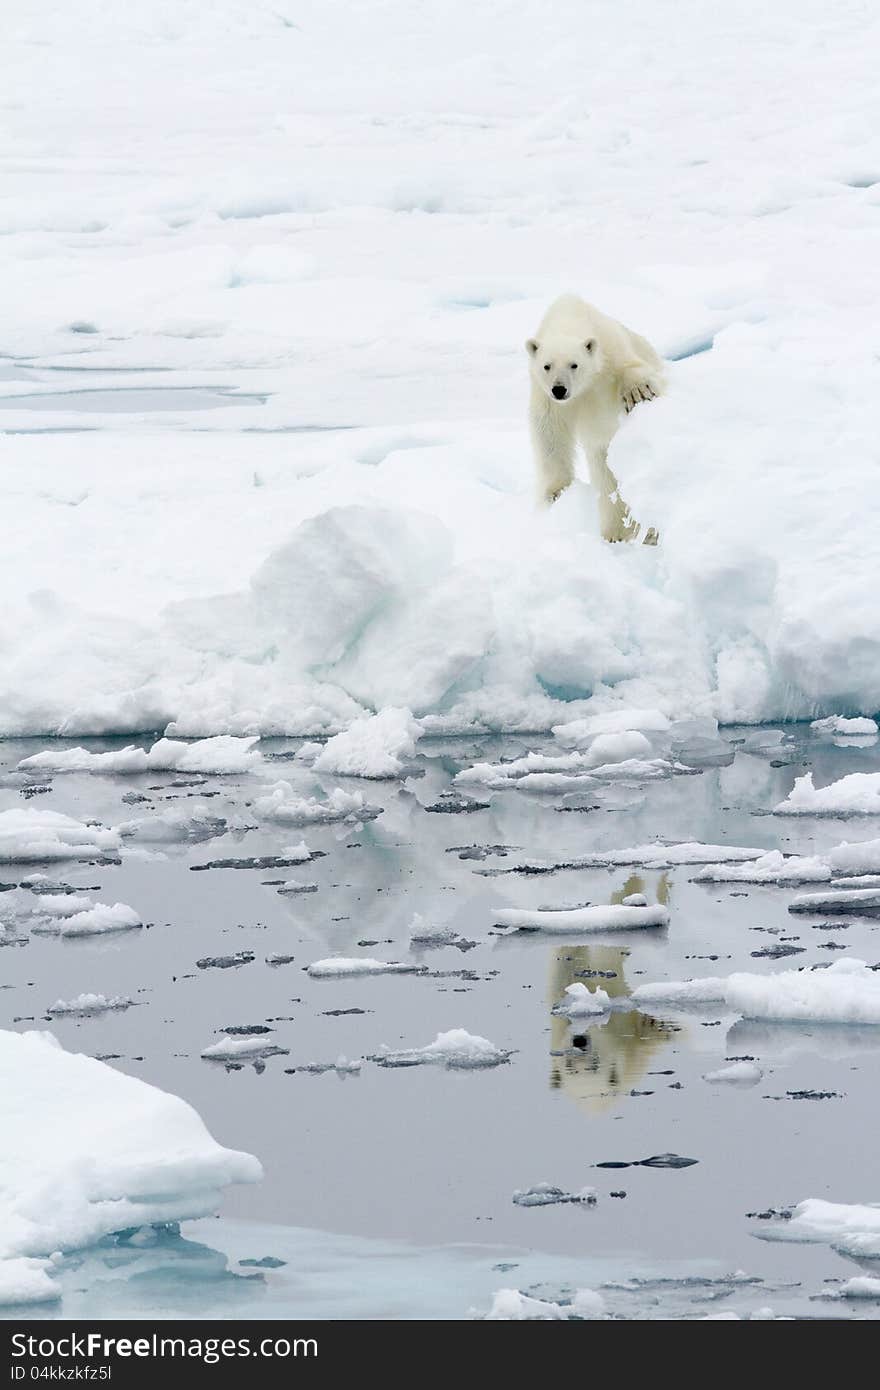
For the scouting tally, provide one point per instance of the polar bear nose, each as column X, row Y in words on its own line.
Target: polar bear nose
column 559, row 391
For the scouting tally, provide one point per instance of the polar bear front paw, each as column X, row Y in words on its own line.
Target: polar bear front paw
column 636, row 390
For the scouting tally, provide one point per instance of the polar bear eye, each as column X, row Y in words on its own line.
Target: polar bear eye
column 546, row 366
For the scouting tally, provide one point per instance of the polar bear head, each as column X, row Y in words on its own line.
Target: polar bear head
column 563, row 368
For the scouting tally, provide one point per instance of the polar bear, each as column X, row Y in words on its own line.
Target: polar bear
column 586, row 369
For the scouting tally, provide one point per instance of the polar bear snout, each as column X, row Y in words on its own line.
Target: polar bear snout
column 559, row 392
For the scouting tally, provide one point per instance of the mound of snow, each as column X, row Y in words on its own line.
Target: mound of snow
column 580, row 733
column 509, row 1305
column 615, row 917
column 101, row 918
column 32, row 835
column 857, row 794
column 88, row 1151
column 856, row 900
column 852, row 860
column 846, row 992
column 709, row 990
column 851, row 1228
column 376, row 747
column 283, row 805
column 846, row 728
column 662, row 856
column 335, row 966
column 228, row 1049
column 85, row 1005
column 611, row 757
column 581, row 1002
column 737, row 1074
column 221, row 754
column 457, row 1049
column 773, row 867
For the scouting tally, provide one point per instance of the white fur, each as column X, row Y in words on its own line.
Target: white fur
column 604, row 370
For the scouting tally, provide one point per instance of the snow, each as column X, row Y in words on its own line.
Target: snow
column 737, row 1074
column 26, row 1281
column 838, row 900
column 581, row 1002
column 581, row 733
column 599, row 918
column 710, row 990
column 376, row 747
column 456, row 1049
column 87, row 1005
column 282, row 804
column 662, row 856
column 859, row 1286
column 846, row 992
column 544, row 1194
column 222, row 754
column 851, row 1228
column 857, row 794
column 772, row 867
column 846, row 728
column 509, row 1305
column 399, row 562
column 855, row 859
column 230, row 1049
column 88, row 1151
column 32, row 835
column 336, row 966
column 99, row 919
column 570, row 771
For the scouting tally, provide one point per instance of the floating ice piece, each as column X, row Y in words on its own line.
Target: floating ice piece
column 737, row 1074
column 581, row 1002
column 291, row 886
column 457, row 1049
column 544, row 1194
column 579, row 733
column 846, row 992
column 614, row 917
column 857, row 794
column 89, row 1150
column 610, row 757
column 174, row 827
column 342, row 1066
column 849, row 860
column 635, row 900
column 25, row 1281
column 32, row 835
column 858, row 901
column 847, row 728
column 662, row 856
column 282, row 804
column 509, row 1305
column 228, row 1049
column 231, row 962
column 376, row 747
column 220, row 754
column 709, row 990
column 853, row 1229
column 860, row 1286
column 294, row 854
column 101, row 918
column 422, row 935
column 335, row 966
column 773, row 867
column 86, row 1005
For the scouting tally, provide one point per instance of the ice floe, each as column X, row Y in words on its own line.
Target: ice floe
column 544, row 1194
column 509, row 1305
column 736, row 1074
column 456, row 1049
column 614, row 917
column 219, row 754
column 843, row 727
column 282, row 804
column 857, row 794
column 376, row 747
column 772, row 867
column 848, row 991
column 33, row 835
column 89, row 1150
column 88, row 1005
column 338, row 966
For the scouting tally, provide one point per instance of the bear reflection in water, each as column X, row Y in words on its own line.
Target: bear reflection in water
column 601, row 1061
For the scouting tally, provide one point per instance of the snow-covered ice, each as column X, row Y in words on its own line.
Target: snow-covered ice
column 848, row 991
column 857, row 794
column 34, row 835
column 844, row 899
column 173, row 827
column 282, row 804
column 851, row 1228
column 338, row 966
column 227, row 1049
column 221, row 754
column 710, row 990
column 376, row 747
column 88, row 1150
column 87, row 1005
column 581, row 1002
column 615, row 917
column 455, row 1048
column 101, row 917
column 772, row 867
column 736, row 1074
column 509, row 1305
column 544, row 1194
column 843, row 727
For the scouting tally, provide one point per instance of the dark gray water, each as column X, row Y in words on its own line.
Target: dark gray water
column 425, row 1158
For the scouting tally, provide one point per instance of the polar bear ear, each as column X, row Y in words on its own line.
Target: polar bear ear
column 531, row 346
column 590, row 345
